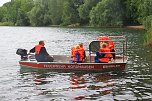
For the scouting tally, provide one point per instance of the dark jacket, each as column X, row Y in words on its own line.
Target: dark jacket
column 43, row 56
column 42, row 51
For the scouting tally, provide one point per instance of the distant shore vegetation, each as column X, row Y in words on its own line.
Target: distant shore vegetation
column 73, row 13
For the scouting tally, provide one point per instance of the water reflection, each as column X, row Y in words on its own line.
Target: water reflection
column 74, row 85
column 77, row 81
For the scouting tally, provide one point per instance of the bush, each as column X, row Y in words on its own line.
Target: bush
column 148, row 22
column 148, row 26
column 6, row 24
column 107, row 13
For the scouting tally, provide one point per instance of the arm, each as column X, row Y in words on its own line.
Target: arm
column 84, row 54
column 100, row 54
column 77, row 56
column 32, row 50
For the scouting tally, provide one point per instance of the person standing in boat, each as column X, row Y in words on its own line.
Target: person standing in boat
column 41, row 54
column 110, row 44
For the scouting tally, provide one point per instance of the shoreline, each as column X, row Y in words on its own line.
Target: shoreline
column 132, row 27
column 136, row 27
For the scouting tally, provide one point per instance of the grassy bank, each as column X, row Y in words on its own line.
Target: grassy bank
column 6, row 24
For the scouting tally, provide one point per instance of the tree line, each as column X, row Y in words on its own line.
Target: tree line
column 95, row 13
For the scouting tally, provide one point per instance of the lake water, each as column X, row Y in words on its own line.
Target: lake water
column 24, row 84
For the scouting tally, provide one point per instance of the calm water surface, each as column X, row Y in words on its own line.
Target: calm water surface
column 24, row 84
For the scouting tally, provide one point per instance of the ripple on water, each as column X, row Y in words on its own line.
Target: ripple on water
column 22, row 84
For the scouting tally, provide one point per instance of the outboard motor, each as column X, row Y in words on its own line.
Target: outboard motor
column 22, row 53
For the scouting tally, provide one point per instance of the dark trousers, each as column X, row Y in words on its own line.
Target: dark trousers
column 43, row 58
column 113, row 53
column 98, row 55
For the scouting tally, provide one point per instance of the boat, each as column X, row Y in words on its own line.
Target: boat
column 62, row 62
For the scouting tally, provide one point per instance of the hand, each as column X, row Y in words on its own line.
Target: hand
column 28, row 53
column 50, row 56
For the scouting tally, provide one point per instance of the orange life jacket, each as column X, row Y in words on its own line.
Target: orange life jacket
column 72, row 54
column 38, row 48
column 107, row 55
column 80, row 51
column 72, row 51
column 104, row 38
column 111, row 44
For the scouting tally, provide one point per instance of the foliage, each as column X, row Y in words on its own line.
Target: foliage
column 85, row 9
column 71, row 12
column 16, row 12
column 22, row 12
column 6, row 24
column 148, row 22
column 107, row 13
column 144, row 9
column 39, row 14
column 55, row 10
column 148, row 27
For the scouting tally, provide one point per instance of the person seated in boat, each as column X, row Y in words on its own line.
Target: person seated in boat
column 83, row 52
column 77, row 54
column 41, row 54
column 103, row 55
column 110, row 44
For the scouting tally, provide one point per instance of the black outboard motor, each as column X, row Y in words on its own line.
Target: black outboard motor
column 22, row 53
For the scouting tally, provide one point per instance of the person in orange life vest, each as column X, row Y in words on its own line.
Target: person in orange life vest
column 110, row 44
column 41, row 54
column 111, row 47
column 103, row 38
column 77, row 54
column 72, row 54
column 103, row 55
column 82, row 51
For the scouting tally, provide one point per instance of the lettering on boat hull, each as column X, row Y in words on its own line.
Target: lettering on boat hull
column 54, row 66
column 81, row 66
column 70, row 66
column 111, row 66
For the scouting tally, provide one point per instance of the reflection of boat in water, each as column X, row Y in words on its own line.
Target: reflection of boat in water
column 61, row 62
column 76, row 85
column 77, row 82
column 99, row 83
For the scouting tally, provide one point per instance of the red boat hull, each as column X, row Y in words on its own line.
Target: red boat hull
column 78, row 66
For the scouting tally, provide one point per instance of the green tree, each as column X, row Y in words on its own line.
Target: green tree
column 70, row 12
column 11, row 12
column 144, row 9
column 16, row 11
column 137, row 10
column 22, row 14
column 107, row 13
column 38, row 15
column 1, row 13
column 131, row 15
column 85, row 9
column 56, row 11
column 148, row 27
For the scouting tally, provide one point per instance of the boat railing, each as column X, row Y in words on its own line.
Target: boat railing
column 120, row 43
